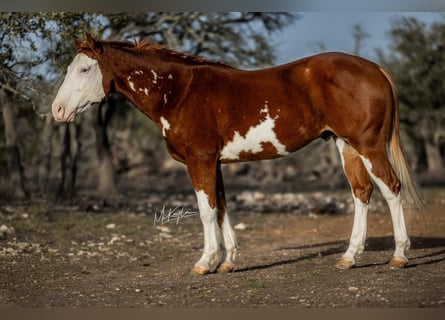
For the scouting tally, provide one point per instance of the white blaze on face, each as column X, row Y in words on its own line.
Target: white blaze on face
column 254, row 139
column 82, row 88
column 165, row 126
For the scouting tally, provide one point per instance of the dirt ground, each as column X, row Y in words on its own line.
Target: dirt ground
column 124, row 256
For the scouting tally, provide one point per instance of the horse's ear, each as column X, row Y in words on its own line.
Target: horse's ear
column 93, row 43
column 90, row 38
column 77, row 42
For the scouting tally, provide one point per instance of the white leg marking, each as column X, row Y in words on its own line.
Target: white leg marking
column 230, row 243
column 165, row 126
column 358, row 234
column 212, row 253
column 340, row 146
column 395, row 206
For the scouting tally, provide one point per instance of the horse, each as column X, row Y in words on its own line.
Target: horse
column 211, row 114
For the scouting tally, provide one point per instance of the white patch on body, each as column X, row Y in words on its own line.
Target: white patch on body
column 165, row 99
column 146, row 91
column 155, row 76
column 170, row 76
column 131, row 83
column 165, row 126
column 265, row 109
column 253, row 140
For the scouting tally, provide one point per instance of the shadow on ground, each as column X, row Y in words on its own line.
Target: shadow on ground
column 373, row 244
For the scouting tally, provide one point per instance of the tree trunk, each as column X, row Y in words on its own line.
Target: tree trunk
column 432, row 151
column 106, row 187
column 16, row 186
column 68, row 161
column 433, row 156
column 65, row 162
column 47, row 149
column 432, row 146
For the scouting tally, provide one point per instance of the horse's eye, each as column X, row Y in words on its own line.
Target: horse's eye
column 85, row 69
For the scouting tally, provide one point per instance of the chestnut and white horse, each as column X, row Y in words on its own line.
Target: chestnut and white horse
column 211, row 114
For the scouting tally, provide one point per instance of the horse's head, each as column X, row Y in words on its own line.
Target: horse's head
column 83, row 85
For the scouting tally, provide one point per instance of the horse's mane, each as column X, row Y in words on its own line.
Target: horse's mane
column 145, row 46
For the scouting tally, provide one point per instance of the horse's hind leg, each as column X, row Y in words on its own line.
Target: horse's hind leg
column 381, row 171
column 361, row 186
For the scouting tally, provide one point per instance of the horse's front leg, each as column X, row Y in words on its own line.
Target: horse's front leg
column 229, row 239
column 202, row 171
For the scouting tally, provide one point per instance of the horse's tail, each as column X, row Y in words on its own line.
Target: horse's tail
column 397, row 157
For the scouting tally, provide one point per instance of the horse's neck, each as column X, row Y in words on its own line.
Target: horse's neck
column 146, row 85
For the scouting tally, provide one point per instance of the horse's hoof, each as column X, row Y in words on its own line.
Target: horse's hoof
column 397, row 263
column 226, row 267
column 344, row 264
column 200, row 270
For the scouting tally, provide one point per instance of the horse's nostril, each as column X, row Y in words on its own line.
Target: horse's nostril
column 60, row 111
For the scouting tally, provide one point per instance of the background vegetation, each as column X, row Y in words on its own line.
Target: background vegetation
column 114, row 150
